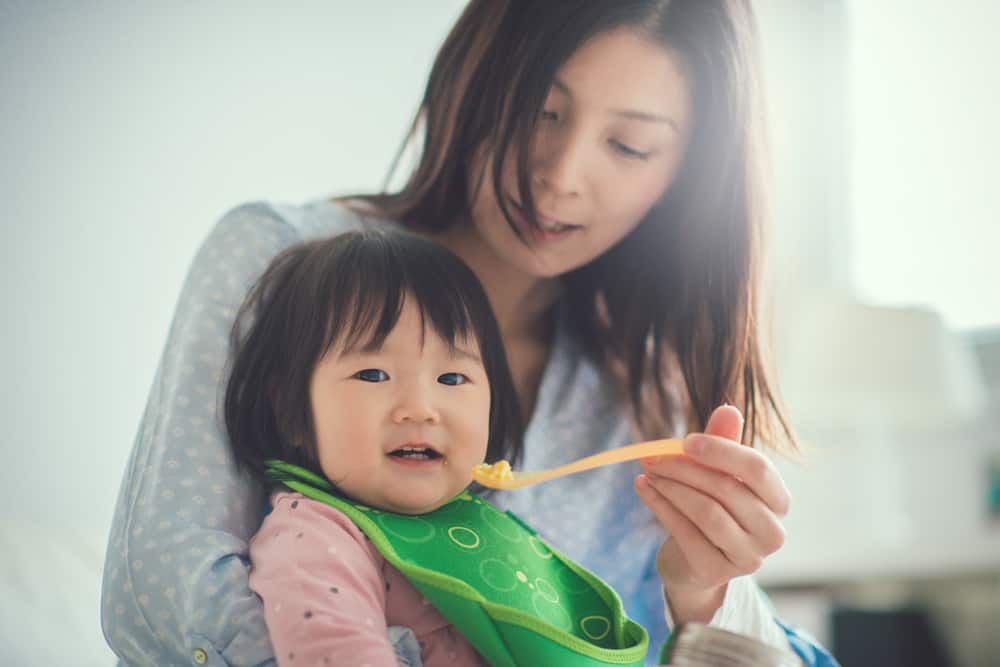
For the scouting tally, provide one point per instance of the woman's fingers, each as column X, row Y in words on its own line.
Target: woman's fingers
column 726, row 421
column 725, row 429
column 722, row 493
column 701, row 556
column 715, row 524
column 745, row 463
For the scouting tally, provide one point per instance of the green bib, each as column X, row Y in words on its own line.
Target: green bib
column 516, row 599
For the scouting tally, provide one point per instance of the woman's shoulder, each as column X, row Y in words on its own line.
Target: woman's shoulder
column 272, row 221
column 246, row 238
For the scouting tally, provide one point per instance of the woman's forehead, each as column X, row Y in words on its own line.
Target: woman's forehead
column 627, row 74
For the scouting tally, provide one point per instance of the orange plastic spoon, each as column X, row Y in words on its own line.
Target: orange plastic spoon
column 500, row 476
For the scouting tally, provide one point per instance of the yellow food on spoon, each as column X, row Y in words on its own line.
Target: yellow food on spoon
column 499, row 470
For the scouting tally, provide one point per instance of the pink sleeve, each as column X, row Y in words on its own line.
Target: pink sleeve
column 323, row 594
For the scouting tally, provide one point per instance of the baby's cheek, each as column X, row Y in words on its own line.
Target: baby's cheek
column 350, row 455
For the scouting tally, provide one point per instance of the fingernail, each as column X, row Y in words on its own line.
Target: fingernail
column 694, row 445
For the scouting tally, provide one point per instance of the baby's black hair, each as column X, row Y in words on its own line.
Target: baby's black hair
column 347, row 288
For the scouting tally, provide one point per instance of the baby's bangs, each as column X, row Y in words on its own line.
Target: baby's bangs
column 376, row 274
column 447, row 313
column 365, row 297
column 444, row 289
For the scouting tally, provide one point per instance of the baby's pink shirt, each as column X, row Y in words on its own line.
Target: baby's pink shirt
column 329, row 595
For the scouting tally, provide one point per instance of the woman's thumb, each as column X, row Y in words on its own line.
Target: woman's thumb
column 726, row 421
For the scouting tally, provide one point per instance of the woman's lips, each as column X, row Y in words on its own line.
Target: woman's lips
column 553, row 230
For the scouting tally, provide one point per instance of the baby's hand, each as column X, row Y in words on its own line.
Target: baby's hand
column 721, row 505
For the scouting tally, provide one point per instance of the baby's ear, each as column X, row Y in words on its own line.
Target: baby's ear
column 285, row 425
column 272, row 395
column 298, row 440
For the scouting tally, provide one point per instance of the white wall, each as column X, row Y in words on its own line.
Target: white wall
column 925, row 155
column 127, row 129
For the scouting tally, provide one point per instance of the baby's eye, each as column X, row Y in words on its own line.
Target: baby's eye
column 371, row 375
column 452, row 379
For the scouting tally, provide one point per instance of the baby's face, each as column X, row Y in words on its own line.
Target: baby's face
column 400, row 428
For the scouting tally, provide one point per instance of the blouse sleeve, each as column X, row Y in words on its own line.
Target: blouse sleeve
column 746, row 610
column 324, row 597
column 175, row 585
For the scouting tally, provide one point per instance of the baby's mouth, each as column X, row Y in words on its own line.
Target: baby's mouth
column 415, row 453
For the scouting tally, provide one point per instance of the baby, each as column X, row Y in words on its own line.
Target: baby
column 368, row 379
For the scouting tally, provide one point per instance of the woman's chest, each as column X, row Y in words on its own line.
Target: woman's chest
column 527, row 360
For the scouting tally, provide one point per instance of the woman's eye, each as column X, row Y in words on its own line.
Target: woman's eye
column 628, row 151
column 453, row 379
column 550, row 116
column 372, row 375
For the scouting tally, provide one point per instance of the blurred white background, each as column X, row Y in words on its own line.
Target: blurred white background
column 129, row 128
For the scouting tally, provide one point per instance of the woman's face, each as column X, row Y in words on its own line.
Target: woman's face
column 610, row 141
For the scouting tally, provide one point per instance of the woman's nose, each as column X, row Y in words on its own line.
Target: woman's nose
column 559, row 163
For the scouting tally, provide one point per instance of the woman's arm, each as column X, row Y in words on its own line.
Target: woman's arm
column 175, row 581
column 324, row 600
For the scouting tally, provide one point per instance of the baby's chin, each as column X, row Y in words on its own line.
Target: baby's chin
column 413, row 504
column 413, row 509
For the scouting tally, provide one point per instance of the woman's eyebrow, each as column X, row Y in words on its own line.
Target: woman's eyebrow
column 632, row 114
column 628, row 114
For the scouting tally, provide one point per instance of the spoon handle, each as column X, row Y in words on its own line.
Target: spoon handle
column 665, row 447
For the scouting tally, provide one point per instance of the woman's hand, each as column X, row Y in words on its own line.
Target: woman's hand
column 721, row 505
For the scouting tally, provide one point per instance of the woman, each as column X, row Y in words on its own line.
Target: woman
column 596, row 164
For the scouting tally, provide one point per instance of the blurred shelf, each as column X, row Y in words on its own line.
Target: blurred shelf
column 796, row 565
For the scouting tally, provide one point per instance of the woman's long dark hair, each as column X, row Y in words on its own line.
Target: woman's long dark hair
column 349, row 289
column 677, row 298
